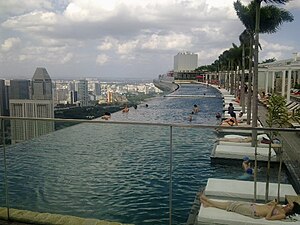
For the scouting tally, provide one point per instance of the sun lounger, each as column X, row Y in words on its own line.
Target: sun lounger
column 238, row 152
column 290, row 106
column 244, row 190
column 262, row 145
column 218, row 216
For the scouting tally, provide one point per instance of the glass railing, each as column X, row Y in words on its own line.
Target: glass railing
column 129, row 172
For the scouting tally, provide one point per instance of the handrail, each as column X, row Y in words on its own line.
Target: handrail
column 5, row 169
column 171, row 180
column 153, row 124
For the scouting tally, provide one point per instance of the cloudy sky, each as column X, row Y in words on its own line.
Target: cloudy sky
column 124, row 38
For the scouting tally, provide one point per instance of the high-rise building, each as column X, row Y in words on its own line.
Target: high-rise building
column 2, row 97
column 73, row 97
column 41, row 85
column 40, row 106
column 19, row 89
column 97, row 90
column 83, row 92
column 185, row 62
column 109, row 97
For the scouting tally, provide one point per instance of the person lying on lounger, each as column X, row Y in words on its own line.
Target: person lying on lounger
column 230, row 121
column 271, row 210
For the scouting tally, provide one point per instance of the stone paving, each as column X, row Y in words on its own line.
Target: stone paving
column 24, row 217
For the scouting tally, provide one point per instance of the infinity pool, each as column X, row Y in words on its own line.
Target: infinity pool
column 121, row 172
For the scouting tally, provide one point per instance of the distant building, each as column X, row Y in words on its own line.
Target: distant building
column 41, row 85
column 97, row 90
column 2, row 98
column 20, row 89
column 26, row 129
column 185, row 62
column 73, row 97
column 109, row 97
column 83, row 93
column 40, row 106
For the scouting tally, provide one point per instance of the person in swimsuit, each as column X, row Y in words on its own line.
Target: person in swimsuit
column 230, row 121
column 271, row 210
column 246, row 165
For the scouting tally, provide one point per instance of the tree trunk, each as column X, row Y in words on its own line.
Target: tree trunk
column 255, row 75
column 249, row 95
column 242, row 97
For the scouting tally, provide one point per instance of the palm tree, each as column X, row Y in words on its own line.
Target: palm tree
column 268, row 20
column 244, row 40
column 257, row 20
column 223, row 59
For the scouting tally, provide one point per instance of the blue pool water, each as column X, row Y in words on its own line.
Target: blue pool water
column 121, row 172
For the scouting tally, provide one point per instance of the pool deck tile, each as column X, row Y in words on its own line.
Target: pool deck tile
column 23, row 217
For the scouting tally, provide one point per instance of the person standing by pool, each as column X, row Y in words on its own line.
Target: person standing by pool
column 230, row 108
column 232, row 113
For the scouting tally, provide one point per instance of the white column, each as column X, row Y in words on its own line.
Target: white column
column 267, row 81
column 273, row 81
column 288, row 91
column 283, row 83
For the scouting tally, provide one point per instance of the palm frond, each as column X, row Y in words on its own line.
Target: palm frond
column 273, row 17
column 274, row 1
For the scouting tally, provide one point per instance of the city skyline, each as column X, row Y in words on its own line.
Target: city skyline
column 131, row 39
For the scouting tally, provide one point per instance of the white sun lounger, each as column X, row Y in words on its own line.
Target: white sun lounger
column 259, row 137
column 218, row 216
column 262, row 145
column 244, row 190
column 238, row 152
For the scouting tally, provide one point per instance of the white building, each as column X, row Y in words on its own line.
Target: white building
column 26, row 129
column 185, row 62
column 279, row 76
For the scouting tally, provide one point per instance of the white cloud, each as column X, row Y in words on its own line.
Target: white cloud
column 266, row 45
column 127, row 47
column 107, row 44
column 33, row 21
column 15, row 7
column 164, row 42
column 150, row 32
column 10, row 43
column 67, row 58
column 102, row 59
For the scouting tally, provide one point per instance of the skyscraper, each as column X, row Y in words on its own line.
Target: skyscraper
column 19, row 89
column 41, row 85
column 83, row 93
column 2, row 97
column 39, row 106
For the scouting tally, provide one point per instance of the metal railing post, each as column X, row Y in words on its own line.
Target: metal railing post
column 279, row 170
column 5, row 169
column 171, row 172
column 255, row 171
column 268, row 169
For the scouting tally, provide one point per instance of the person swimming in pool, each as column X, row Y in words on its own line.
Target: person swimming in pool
column 246, row 165
column 270, row 211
